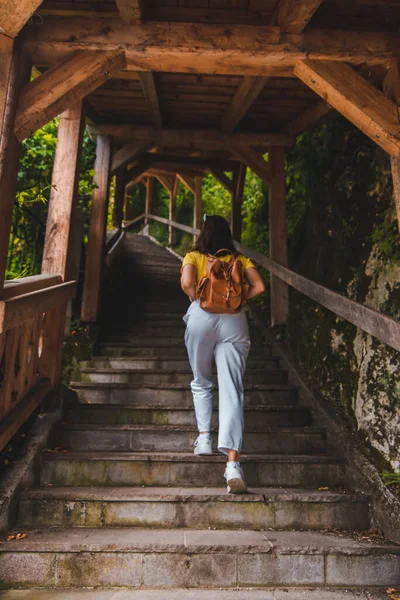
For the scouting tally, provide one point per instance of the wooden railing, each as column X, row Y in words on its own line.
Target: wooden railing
column 32, row 317
column 384, row 328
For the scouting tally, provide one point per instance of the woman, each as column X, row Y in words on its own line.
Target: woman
column 224, row 337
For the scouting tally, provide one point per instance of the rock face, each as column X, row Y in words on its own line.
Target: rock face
column 122, row 502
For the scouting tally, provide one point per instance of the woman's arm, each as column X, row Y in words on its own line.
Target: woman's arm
column 255, row 281
column 188, row 281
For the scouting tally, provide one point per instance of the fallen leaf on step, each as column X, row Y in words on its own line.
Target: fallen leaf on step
column 323, row 489
column 391, row 590
column 10, row 537
column 21, row 536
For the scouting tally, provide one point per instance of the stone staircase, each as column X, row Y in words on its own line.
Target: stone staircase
column 123, row 503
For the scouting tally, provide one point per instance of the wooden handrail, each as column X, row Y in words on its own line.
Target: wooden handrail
column 384, row 328
column 24, row 285
column 133, row 222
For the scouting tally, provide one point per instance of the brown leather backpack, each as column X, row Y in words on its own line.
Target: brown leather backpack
column 222, row 290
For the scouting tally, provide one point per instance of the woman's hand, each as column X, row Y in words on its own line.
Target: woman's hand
column 188, row 281
column 255, row 281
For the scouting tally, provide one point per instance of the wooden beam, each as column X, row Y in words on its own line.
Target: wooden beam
column 254, row 161
column 194, row 162
column 131, row 11
column 247, row 92
column 63, row 194
column 391, row 88
column 137, row 171
column 356, row 99
column 278, row 235
column 237, row 199
column 223, row 179
column 119, row 197
column 293, row 16
column 309, row 117
column 187, row 181
column 14, row 14
column 10, row 150
column 198, row 205
column 205, row 48
column 148, row 84
column 61, row 86
column 128, row 153
column 167, row 182
column 172, row 212
column 149, row 197
column 97, row 230
column 6, row 51
column 192, row 139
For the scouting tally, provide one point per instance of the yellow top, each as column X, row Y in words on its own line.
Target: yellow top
column 200, row 262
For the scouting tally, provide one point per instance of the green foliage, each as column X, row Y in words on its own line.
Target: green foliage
column 389, row 478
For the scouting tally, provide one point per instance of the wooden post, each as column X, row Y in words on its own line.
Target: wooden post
column 126, row 202
column 198, row 205
column 172, row 212
column 11, row 82
column 149, row 197
column 278, row 235
column 119, row 197
column 97, row 230
column 237, row 199
column 391, row 88
column 6, row 51
column 63, row 195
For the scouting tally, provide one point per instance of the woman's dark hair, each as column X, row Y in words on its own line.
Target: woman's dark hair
column 215, row 234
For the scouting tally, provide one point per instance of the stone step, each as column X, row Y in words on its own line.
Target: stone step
column 157, row 558
column 119, row 349
column 163, row 376
column 256, row 418
column 161, row 469
column 171, row 438
column 177, row 394
column 187, row 594
column 193, row 507
column 167, row 364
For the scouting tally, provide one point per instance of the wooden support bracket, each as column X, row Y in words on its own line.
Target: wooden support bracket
column 128, row 153
column 254, row 160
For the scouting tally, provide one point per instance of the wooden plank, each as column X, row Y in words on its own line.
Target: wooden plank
column 384, row 328
column 119, row 196
column 361, row 103
column 293, row 16
column 254, row 161
column 223, row 179
column 131, row 11
column 52, row 344
column 149, row 197
column 309, row 117
column 8, row 383
column 14, row 14
column 182, row 47
column 237, row 199
column 17, row 287
column 10, row 425
column 196, row 162
column 166, row 181
column 186, row 228
column 278, row 235
column 63, row 194
column 187, row 181
column 134, row 221
column 148, row 84
column 247, row 92
column 97, row 230
column 172, row 212
column 395, row 165
column 129, row 152
column 391, row 88
column 203, row 139
column 6, row 49
column 20, row 309
column 10, row 150
column 62, row 86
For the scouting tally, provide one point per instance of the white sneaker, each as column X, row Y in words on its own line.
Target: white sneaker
column 203, row 445
column 235, row 478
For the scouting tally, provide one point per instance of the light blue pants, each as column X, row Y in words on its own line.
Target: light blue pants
column 226, row 338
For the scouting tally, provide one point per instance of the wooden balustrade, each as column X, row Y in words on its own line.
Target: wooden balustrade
column 32, row 315
column 379, row 325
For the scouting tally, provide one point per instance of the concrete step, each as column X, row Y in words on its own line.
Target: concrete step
column 172, row 438
column 161, row 469
column 182, row 376
column 187, row 594
column 196, row 508
column 114, row 349
column 167, row 364
column 157, row 558
column 256, row 418
column 177, row 394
